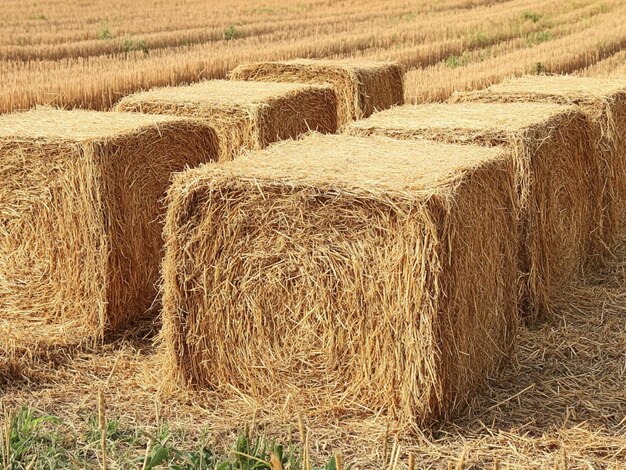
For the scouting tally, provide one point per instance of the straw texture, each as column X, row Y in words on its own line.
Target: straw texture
column 604, row 102
column 556, row 184
column 80, row 239
column 348, row 272
column 245, row 115
column 561, row 402
column 362, row 87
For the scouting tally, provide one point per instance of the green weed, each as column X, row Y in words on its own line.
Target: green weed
column 531, row 16
column 231, row 33
column 539, row 69
column 480, row 39
column 105, row 32
column 537, row 38
column 454, row 61
column 40, row 441
column 130, row 46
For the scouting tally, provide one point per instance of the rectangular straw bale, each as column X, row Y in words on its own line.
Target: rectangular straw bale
column 80, row 202
column 362, row 87
column 556, row 182
column 343, row 272
column 245, row 115
column 604, row 102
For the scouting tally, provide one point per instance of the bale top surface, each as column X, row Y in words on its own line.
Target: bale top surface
column 75, row 125
column 353, row 163
column 566, row 86
column 344, row 64
column 218, row 93
column 498, row 117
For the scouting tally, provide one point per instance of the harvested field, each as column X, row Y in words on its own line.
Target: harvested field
column 80, row 54
column 245, row 115
column 362, row 87
column 557, row 187
column 357, row 273
column 604, row 102
column 80, row 236
column 611, row 67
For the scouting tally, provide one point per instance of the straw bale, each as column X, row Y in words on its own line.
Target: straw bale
column 245, row 115
column 345, row 271
column 80, row 235
column 362, row 87
column 604, row 102
column 556, row 183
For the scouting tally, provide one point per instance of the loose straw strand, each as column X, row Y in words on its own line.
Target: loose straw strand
column 103, row 428
column 411, row 461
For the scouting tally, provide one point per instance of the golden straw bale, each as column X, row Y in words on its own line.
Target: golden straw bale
column 343, row 272
column 556, row 182
column 604, row 102
column 80, row 235
column 245, row 115
column 362, row 86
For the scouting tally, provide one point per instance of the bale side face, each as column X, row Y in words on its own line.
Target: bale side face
column 246, row 122
column 80, row 240
column 136, row 172
column 339, row 296
column 558, row 187
column 294, row 114
column 604, row 102
column 236, row 128
column 563, row 212
column 361, row 89
column 53, row 250
column 380, row 88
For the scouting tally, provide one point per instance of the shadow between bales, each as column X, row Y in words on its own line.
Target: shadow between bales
column 31, row 352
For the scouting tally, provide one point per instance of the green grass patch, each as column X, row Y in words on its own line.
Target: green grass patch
column 409, row 17
column 454, row 60
column 130, row 45
column 532, row 16
column 538, row 68
column 231, row 33
column 105, row 32
column 33, row 440
column 265, row 11
column 480, row 39
column 539, row 37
